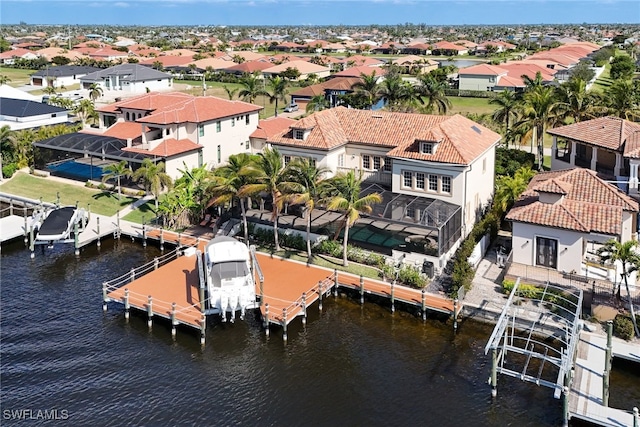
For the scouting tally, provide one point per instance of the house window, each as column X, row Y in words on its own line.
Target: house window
column 426, row 148
column 406, row 179
column 420, row 181
column 546, row 252
column 246, row 119
column 166, row 132
column 312, row 162
column 387, row 166
column 219, row 154
column 341, row 160
column 286, row 159
column 366, row 161
column 246, row 144
column 298, row 134
column 484, row 165
column 377, row 162
column 433, row 182
column 200, row 130
column 128, row 118
column 446, row 184
column 233, row 122
column 218, row 126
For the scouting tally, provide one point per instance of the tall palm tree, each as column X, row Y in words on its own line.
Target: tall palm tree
column 84, row 109
column 626, row 253
column 434, row 92
column 507, row 103
column 229, row 179
column 117, row 171
column 344, row 195
column 252, row 87
column 623, row 99
column 317, row 103
column 23, row 147
column 7, row 141
column 278, row 90
column 574, row 102
column 508, row 189
column 307, row 190
column 95, row 91
column 230, row 92
column 368, row 88
column 393, row 90
column 153, row 177
column 196, row 180
column 532, row 83
column 270, row 177
column 4, row 80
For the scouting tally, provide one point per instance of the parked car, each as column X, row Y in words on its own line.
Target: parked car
column 291, row 108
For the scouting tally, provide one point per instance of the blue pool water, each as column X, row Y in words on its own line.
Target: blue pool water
column 75, row 170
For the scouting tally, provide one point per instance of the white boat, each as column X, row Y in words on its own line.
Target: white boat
column 230, row 284
column 58, row 224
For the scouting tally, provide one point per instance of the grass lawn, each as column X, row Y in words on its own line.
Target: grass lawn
column 17, row 76
column 102, row 202
column 470, row 105
column 144, row 213
column 603, row 82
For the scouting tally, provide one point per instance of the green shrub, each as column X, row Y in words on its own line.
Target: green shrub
column 623, row 327
column 9, row 169
column 411, row 276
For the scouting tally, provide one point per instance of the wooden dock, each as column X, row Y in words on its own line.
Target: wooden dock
column 287, row 290
column 586, row 393
column 14, row 226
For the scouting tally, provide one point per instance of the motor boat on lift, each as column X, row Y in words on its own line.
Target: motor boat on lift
column 58, row 225
column 230, row 284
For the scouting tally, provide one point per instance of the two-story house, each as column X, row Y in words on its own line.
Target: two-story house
column 437, row 172
column 132, row 78
column 607, row 145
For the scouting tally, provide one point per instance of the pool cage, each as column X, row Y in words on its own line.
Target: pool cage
column 441, row 221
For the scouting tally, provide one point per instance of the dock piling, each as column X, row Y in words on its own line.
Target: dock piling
column 26, row 224
column 284, row 325
column 320, row 296
column 636, row 417
column 11, row 207
column 144, row 235
column 98, row 230
column 335, row 283
column 455, row 315
column 173, row 320
column 161, row 239
column 565, row 406
column 361, row 289
column 31, row 242
column 424, row 305
column 104, row 296
column 149, row 311
column 76, row 239
column 118, row 223
column 304, row 308
column 203, row 329
column 393, row 300
column 156, row 263
column 607, row 365
column 132, row 274
column 126, row 303
column 266, row 319
column 494, row 372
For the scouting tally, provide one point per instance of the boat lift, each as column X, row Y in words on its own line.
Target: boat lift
column 57, row 225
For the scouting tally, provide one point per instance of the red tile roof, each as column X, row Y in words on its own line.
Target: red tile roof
column 612, row 133
column 588, row 204
column 250, row 66
column 364, row 69
column 336, row 83
column 200, row 109
column 271, row 127
column 482, row 70
column 169, row 60
column 460, row 140
column 167, row 148
column 125, row 130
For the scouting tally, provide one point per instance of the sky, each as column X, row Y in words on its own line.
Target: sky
column 318, row 12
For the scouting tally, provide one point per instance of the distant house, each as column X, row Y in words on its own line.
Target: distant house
column 437, row 171
column 23, row 114
column 305, row 68
column 448, row 49
column 9, row 57
column 268, row 128
column 330, row 89
column 413, row 63
column 61, row 75
column 565, row 214
column 485, row 77
column 132, row 78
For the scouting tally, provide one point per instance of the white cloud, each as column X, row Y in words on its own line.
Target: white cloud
column 121, row 4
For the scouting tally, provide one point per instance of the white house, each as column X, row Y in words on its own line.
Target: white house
column 565, row 214
column 61, row 75
column 24, row 114
column 131, row 78
column 438, row 171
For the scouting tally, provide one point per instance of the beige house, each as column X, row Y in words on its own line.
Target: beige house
column 305, row 68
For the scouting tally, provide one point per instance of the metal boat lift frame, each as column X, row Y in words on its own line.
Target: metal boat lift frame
column 566, row 329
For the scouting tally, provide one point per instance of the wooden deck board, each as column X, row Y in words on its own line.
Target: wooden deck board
column 176, row 281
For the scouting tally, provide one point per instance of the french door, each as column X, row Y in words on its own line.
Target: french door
column 546, row 252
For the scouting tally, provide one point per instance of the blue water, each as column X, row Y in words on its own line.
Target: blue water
column 74, row 170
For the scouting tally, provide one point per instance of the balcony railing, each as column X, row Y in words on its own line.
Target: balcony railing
column 378, row 177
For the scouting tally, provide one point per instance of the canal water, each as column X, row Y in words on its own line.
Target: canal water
column 351, row 365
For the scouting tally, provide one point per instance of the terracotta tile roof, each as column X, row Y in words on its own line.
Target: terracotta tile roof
column 167, row 148
column 200, row 109
column 125, row 130
column 483, row 70
column 612, row 133
column 359, row 60
column 16, row 53
column 445, row 45
column 303, row 66
column 250, row 67
column 507, row 81
column 336, row 83
column 168, row 61
column 215, row 63
column 271, row 127
column 149, row 102
column 461, row 140
column 364, row 69
column 588, row 204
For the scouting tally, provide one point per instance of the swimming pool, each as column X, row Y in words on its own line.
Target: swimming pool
column 74, row 170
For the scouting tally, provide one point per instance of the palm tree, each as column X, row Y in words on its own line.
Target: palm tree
column 229, row 179
column 368, row 88
column 507, row 103
column 623, row 99
column 4, row 80
column 317, row 103
column 278, row 87
column 626, row 253
column 344, row 195
column 574, row 101
column 252, row 87
column 230, row 92
column 95, row 91
column 530, row 83
column 49, row 90
column 153, row 178
column 196, row 180
column 307, row 190
column 434, row 92
column 84, row 110
column 393, row 90
column 508, row 189
column 23, row 147
column 117, row 170
column 7, row 143
column 271, row 177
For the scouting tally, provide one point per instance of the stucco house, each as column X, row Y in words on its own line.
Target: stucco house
column 565, row 215
column 61, row 75
column 132, row 78
column 607, row 145
column 24, row 114
column 436, row 172
column 305, row 68
column 175, row 128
